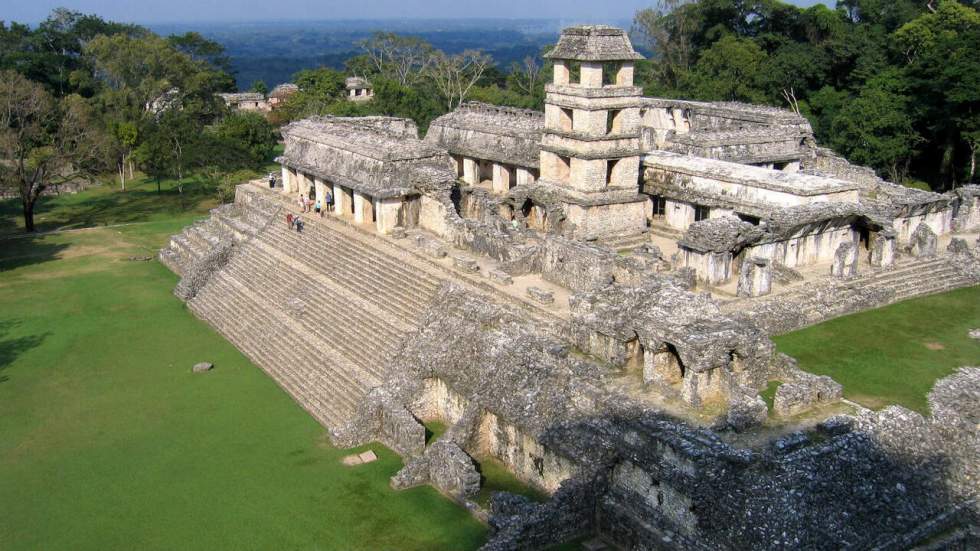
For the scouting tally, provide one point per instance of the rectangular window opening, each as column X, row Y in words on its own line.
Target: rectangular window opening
column 701, row 213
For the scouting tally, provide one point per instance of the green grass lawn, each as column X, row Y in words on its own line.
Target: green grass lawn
column 108, row 441
column 895, row 354
column 496, row 478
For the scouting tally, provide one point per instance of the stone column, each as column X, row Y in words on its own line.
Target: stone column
column 679, row 215
column 285, row 178
column 524, row 177
column 386, row 215
column 321, row 191
column 363, row 208
column 792, row 167
column 501, row 178
column 343, row 200
column 471, row 171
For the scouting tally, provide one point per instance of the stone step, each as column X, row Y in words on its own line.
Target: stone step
column 379, row 279
column 331, row 319
column 314, row 336
column 292, row 359
column 626, row 242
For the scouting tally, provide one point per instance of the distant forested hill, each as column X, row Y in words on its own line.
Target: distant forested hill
column 272, row 52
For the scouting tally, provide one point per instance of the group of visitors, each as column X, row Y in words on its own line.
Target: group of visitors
column 317, row 205
column 309, row 203
column 294, row 222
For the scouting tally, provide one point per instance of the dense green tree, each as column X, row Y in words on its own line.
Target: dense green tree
column 251, row 133
column 875, row 128
column 260, row 87
column 732, row 69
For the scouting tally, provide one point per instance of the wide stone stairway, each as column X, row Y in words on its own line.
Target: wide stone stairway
column 914, row 278
column 322, row 311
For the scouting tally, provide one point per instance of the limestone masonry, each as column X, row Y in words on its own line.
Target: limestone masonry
column 587, row 295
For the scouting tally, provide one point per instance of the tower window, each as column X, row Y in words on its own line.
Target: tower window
column 613, row 121
column 611, row 171
column 659, row 206
column 567, row 121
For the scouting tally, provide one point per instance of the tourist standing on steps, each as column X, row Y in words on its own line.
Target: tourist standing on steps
column 272, row 181
column 299, row 225
column 328, row 199
column 289, row 220
column 317, row 208
column 302, row 202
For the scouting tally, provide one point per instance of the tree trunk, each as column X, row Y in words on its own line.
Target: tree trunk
column 28, row 205
column 158, row 186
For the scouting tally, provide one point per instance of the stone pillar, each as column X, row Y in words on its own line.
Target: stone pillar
column 591, row 73
column 285, row 178
column 363, row 208
column 386, row 214
column 845, row 261
column 679, row 215
column 524, row 177
column 501, row 178
column 343, row 200
column 755, row 280
column 321, row 191
column 882, row 249
column 471, row 171
column 561, row 73
column 792, row 167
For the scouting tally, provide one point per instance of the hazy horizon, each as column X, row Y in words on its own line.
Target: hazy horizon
column 296, row 11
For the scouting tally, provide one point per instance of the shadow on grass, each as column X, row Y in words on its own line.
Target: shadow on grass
column 12, row 348
column 18, row 252
column 106, row 205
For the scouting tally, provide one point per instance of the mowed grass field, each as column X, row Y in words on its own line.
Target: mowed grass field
column 895, row 354
column 108, row 441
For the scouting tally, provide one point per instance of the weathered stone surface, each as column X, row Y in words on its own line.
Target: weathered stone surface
column 540, row 295
column 755, row 279
column 805, row 392
column 202, row 367
column 446, row 466
column 845, row 261
column 924, row 241
column 958, row 246
column 746, row 410
column 466, row 264
column 500, row 277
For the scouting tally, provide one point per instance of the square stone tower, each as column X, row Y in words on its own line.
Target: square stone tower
column 590, row 150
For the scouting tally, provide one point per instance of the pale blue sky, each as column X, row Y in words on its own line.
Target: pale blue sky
column 156, row 11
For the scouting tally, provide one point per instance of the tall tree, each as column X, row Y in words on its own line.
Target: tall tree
column 455, row 75
column 401, row 58
column 43, row 141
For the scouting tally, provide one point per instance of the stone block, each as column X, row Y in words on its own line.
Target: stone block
column 540, row 295
column 746, row 411
column 398, row 232
column 502, row 278
column 845, row 261
column 806, row 393
column 203, row 367
column 367, row 457
column 466, row 264
column 434, row 250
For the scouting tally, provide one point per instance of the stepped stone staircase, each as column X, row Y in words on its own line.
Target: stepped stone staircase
column 818, row 302
column 322, row 311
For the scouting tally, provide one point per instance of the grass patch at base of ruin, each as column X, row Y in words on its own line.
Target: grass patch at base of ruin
column 108, row 441
column 495, row 477
column 892, row 355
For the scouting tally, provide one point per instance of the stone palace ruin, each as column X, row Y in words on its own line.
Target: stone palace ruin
column 587, row 295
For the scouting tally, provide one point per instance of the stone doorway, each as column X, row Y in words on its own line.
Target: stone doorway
column 664, row 366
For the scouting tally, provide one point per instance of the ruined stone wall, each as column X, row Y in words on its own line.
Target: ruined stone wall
column 814, row 245
column 939, row 221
